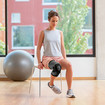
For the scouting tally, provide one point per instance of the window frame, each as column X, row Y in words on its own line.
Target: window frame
column 44, row 21
column 16, row 21
column 88, row 45
column 88, row 30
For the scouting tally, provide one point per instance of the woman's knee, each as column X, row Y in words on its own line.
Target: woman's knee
column 65, row 64
column 69, row 65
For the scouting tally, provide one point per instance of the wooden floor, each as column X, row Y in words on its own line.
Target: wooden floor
column 87, row 92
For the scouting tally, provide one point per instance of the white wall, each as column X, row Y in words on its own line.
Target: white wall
column 82, row 67
column 100, row 38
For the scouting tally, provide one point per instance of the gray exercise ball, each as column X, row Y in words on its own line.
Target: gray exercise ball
column 18, row 65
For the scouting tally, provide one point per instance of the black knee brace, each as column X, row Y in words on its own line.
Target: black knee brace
column 56, row 68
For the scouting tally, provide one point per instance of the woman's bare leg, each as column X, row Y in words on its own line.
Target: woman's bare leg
column 66, row 65
column 52, row 80
column 69, row 75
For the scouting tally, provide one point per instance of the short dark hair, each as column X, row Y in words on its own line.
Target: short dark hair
column 52, row 13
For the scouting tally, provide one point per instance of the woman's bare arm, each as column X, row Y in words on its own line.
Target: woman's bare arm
column 39, row 45
column 62, row 46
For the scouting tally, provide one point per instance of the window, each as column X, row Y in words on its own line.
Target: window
column 88, row 20
column 77, row 20
column 90, row 42
column 45, row 14
column 51, row 2
column 3, row 49
column 15, row 18
column 21, row 0
column 78, row 29
column 22, row 37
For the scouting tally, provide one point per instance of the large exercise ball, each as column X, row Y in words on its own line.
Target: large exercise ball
column 18, row 65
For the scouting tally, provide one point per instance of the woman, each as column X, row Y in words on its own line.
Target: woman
column 53, row 41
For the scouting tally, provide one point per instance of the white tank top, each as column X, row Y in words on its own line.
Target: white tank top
column 52, row 43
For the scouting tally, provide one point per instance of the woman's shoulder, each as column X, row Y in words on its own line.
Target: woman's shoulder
column 42, row 32
column 60, row 31
column 46, row 29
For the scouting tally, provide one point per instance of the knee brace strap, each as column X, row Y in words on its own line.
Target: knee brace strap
column 56, row 68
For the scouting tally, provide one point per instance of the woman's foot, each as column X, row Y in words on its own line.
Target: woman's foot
column 55, row 89
column 70, row 94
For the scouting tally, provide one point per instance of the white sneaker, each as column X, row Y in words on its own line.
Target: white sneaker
column 55, row 89
column 70, row 94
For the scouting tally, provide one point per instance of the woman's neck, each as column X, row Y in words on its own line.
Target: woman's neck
column 49, row 28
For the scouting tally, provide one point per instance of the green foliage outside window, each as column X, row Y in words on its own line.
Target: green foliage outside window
column 72, row 14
